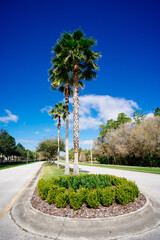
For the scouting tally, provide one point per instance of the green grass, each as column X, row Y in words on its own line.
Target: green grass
column 129, row 168
column 10, row 165
column 50, row 170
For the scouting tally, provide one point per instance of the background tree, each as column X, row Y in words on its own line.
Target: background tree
column 157, row 112
column 48, row 148
column 82, row 157
column 112, row 125
column 138, row 117
column 21, row 151
column 58, row 112
column 7, row 144
column 138, row 145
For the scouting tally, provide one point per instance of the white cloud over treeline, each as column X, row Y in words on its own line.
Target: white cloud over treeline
column 97, row 109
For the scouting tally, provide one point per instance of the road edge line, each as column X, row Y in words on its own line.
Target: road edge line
column 9, row 205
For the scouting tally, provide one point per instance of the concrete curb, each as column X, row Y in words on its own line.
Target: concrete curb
column 34, row 221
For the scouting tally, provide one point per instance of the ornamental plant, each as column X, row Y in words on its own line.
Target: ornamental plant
column 91, row 190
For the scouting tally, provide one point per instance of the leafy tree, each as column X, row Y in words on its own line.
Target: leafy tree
column 48, row 148
column 137, row 146
column 58, row 112
column 7, row 143
column 82, row 157
column 20, row 151
column 138, row 117
column 157, row 112
column 112, row 125
column 122, row 118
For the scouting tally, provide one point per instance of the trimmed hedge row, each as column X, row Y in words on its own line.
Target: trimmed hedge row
column 92, row 190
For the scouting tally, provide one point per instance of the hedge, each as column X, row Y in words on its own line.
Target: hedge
column 92, row 190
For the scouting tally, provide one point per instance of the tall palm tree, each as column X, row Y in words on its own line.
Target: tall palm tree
column 60, row 80
column 74, row 51
column 58, row 112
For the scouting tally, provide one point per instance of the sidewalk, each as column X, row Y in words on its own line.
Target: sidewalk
column 62, row 228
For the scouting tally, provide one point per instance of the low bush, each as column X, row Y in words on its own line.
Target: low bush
column 53, row 192
column 61, row 200
column 92, row 199
column 43, row 188
column 75, row 200
column 108, row 196
column 126, row 192
column 92, row 190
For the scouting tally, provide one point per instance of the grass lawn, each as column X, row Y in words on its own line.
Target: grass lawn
column 9, row 165
column 129, row 168
column 50, row 170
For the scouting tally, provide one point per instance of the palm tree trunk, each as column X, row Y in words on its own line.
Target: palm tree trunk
column 67, row 130
column 59, row 124
column 76, row 119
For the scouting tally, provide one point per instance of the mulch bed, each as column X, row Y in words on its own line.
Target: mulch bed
column 85, row 212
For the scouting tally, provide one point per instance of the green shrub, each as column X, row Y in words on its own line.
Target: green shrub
column 92, row 199
column 83, row 192
column 127, row 192
column 108, row 196
column 43, row 188
column 61, row 200
column 75, row 200
column 99, row 193
column 52, row 194
column 88, row 188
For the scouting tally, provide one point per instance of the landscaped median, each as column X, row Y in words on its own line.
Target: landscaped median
column 62, row 228
column 91, row 190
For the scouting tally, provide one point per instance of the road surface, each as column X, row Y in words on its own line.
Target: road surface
column 13, row 179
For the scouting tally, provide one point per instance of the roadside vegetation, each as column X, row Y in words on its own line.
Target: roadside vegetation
column 89, row 189
column 128, row 168
column 4, row 166
column 126, row 142
column 10, row 152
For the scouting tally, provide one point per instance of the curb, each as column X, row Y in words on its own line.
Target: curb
column 64, row 228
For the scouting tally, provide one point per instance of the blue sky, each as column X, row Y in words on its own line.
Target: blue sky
column 128, row 37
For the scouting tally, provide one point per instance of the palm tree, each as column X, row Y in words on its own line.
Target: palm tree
column 74, row 51
column 60, row 80
column 58, row 112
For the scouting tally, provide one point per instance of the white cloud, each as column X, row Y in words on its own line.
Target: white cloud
column 48, row 130
column 25, row 141
column 37, row 132
column 150, row 115
column 97, row 109
column 87, row 142
column 10, row 118
column 46, row 109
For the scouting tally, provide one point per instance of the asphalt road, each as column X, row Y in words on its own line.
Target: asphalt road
column 148, row 183
column 13, row 179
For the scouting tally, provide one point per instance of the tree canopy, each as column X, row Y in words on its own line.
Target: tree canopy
column 48, row 148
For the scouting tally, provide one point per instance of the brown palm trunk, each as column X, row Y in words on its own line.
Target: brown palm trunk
column 59, row 125
column 67, row 130
column 76, row 118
